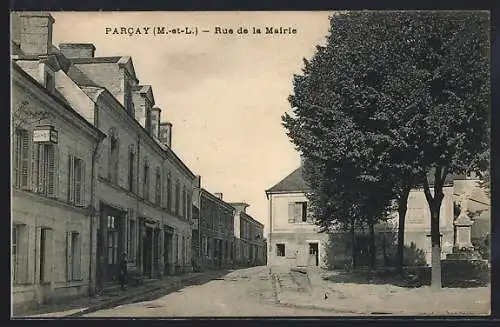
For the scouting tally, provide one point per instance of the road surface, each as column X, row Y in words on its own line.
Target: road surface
column 244, row 292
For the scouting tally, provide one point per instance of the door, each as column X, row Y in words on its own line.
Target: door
column 113, row 247
column 167, row 241
column 313, row 254
column 146, row 252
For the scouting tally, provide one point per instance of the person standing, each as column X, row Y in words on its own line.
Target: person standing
column 122, row 271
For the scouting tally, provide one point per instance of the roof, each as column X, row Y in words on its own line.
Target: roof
column 295, row 182
column 96, row 60
column 79, row 77
column 292, row 183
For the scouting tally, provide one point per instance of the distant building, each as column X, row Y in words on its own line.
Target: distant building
column 215, row 231
column 250, row 244
column 295, row 240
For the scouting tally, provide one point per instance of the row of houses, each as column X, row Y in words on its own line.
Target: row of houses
column 94, row 176
column 295, row 240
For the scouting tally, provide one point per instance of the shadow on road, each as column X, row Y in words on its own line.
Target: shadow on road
column 412, row 277
column 163, row 291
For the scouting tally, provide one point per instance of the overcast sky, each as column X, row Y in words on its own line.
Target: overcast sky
column 224, row 94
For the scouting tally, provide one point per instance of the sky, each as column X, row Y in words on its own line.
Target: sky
column 223, row 93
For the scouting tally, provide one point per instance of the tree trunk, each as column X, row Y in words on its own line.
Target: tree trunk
column 402, row 208
column 373, row 250
column 434, row 203
column 436, row 248
column 353, row 248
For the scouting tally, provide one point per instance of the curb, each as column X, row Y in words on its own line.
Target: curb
column 144, row 293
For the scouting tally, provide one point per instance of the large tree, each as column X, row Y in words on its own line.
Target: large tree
column 395, row 96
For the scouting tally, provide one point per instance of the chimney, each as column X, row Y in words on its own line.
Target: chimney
column 218, row 195
column 36, row 32
column 165, row 134
column 77, row 50
column 198, row 181
column 142, row 97
column 155, row 121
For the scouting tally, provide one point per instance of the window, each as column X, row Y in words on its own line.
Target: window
column 44, row 169
column 73, row 256
column 145, row 187
column 131, row 161
column 297, row 212
column 183, row 250
column 113, row 160
column 280, row 250
column 183, row 200
column 177, row 198
column 158, row 186
column 49, row 82
column 131, row 240
column 76, row 178
column 21, row 158
column 169, row 192
column 176, row 248
column 189, row 205
column 15, row 254
column 44, row 267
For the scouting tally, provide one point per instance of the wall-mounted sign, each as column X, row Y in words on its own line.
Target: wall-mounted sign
column 45, row 134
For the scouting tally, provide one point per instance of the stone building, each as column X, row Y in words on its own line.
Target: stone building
column 142, row 193
column 52, row 185
column 249, row 242
column 295, row 240
column 215, row 231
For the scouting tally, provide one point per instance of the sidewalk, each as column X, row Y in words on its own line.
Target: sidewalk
column 386, row 299
column 112, row 296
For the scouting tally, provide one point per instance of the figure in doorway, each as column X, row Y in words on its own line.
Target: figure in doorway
column 122, row 271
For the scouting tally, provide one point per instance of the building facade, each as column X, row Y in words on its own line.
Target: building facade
column 249, row 243
column 295, row 240
column 215, row 231
column 130, row 192
column 52, row 182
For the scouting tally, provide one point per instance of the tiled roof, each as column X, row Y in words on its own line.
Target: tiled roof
column 296, row 183
column 293, row 182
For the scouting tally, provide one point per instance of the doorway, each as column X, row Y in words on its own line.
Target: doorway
column 146, row 252
column 314, row 254
column 167, row 247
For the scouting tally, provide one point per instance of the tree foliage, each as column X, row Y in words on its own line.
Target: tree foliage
column 391, row 99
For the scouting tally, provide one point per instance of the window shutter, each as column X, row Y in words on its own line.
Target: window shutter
column 52, row 171
column 42, row 171
column 291, row 212
column 77, row 257
column 48, row 255
column 71, row 179
column 34, row 167
column 298, row 212
column 82, row 184
column 25, row 142
column 69, row 256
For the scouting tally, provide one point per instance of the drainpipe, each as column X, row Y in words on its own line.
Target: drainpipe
column 138, row 252
column 93, row 213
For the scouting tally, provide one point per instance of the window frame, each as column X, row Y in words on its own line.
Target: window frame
column 280, row 250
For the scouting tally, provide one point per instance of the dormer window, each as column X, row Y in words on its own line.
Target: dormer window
column 49, row 82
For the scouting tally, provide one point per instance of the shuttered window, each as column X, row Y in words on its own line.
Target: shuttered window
column 45, row 246
column 169, row 193
column 298, row 212
column 76, row 181
column 158, row 186
column 44, row 167
column 177, row 198
column 21, row 158
column 73, row 259
column 131, row 161
column 145, row 189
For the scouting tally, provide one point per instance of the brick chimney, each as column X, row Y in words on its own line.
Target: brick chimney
column 165, row 134
column 155, row 121
column 77, row 50
column 198, row 181
column 36, row 32
column 218, row 195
